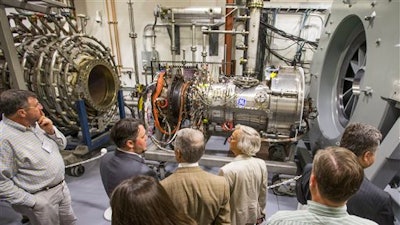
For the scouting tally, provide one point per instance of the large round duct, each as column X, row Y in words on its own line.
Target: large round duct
column 62, row 71
column 340, row 77
column 355, row 78
column 354, row 69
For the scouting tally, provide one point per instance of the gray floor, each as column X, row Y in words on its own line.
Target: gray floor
column 89, row 199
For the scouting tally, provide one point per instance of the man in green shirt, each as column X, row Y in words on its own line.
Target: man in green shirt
column 336, row 175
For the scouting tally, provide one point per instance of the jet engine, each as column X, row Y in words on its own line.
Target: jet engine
column 183, row 97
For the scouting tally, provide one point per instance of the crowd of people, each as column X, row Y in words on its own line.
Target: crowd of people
column 333, row 187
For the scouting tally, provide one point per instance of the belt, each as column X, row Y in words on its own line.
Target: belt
column 48, row 187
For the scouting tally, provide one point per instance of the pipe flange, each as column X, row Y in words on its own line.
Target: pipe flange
column 255, row 4
column 98, row 84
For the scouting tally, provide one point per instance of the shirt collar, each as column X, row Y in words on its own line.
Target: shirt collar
column 188, row 164
column 132, row 153
column 17, row 125
column 325, row 210
column 241, row 157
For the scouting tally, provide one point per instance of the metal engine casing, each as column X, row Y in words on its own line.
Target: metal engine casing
column 274, row 108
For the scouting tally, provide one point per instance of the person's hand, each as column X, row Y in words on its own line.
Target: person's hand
column 46, row 124
column 40, row 203
column 260, row 220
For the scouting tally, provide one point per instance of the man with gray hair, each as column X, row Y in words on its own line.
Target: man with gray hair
column 247, row 177
column 201, row 195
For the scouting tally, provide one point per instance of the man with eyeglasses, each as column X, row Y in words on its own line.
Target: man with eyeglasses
column 31, row 166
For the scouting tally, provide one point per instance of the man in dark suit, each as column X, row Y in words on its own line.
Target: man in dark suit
column 129, row 135
column 369, row 201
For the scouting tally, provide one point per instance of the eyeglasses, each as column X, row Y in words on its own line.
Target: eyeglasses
column 174, row 144
column 38, row 105
column 231, row 138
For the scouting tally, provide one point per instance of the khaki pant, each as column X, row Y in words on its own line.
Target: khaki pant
column 53, row 207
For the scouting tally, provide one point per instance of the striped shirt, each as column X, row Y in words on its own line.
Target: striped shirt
column 29, row 161
column 317, row 214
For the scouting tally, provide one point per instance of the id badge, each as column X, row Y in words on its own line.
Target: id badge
column 47, row 145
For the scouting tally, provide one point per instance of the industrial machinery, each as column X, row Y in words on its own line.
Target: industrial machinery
column 192, row 94
column 275, row 108
column 354, row 77
column 61, row 64
column 44, row 49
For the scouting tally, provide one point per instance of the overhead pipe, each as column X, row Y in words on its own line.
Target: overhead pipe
column 109, row 27
column 153, row 36
column 204, row 52
column 228, row 38
column 178, row 16
column 113, row 29
column 196, row 13
column 133, row 37
column 225, row 32
column 116, row 34
column 173, row 47
column 193, row 48
column 255, row 7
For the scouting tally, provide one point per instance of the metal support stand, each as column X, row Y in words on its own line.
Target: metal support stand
column 121, row 105
column 7, row 40
column 88, row 140
column 10, row 53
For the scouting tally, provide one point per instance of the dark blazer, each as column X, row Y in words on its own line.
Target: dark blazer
column 369, row 201
column 118, row 166
column 302, row 185
column 372, row 203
